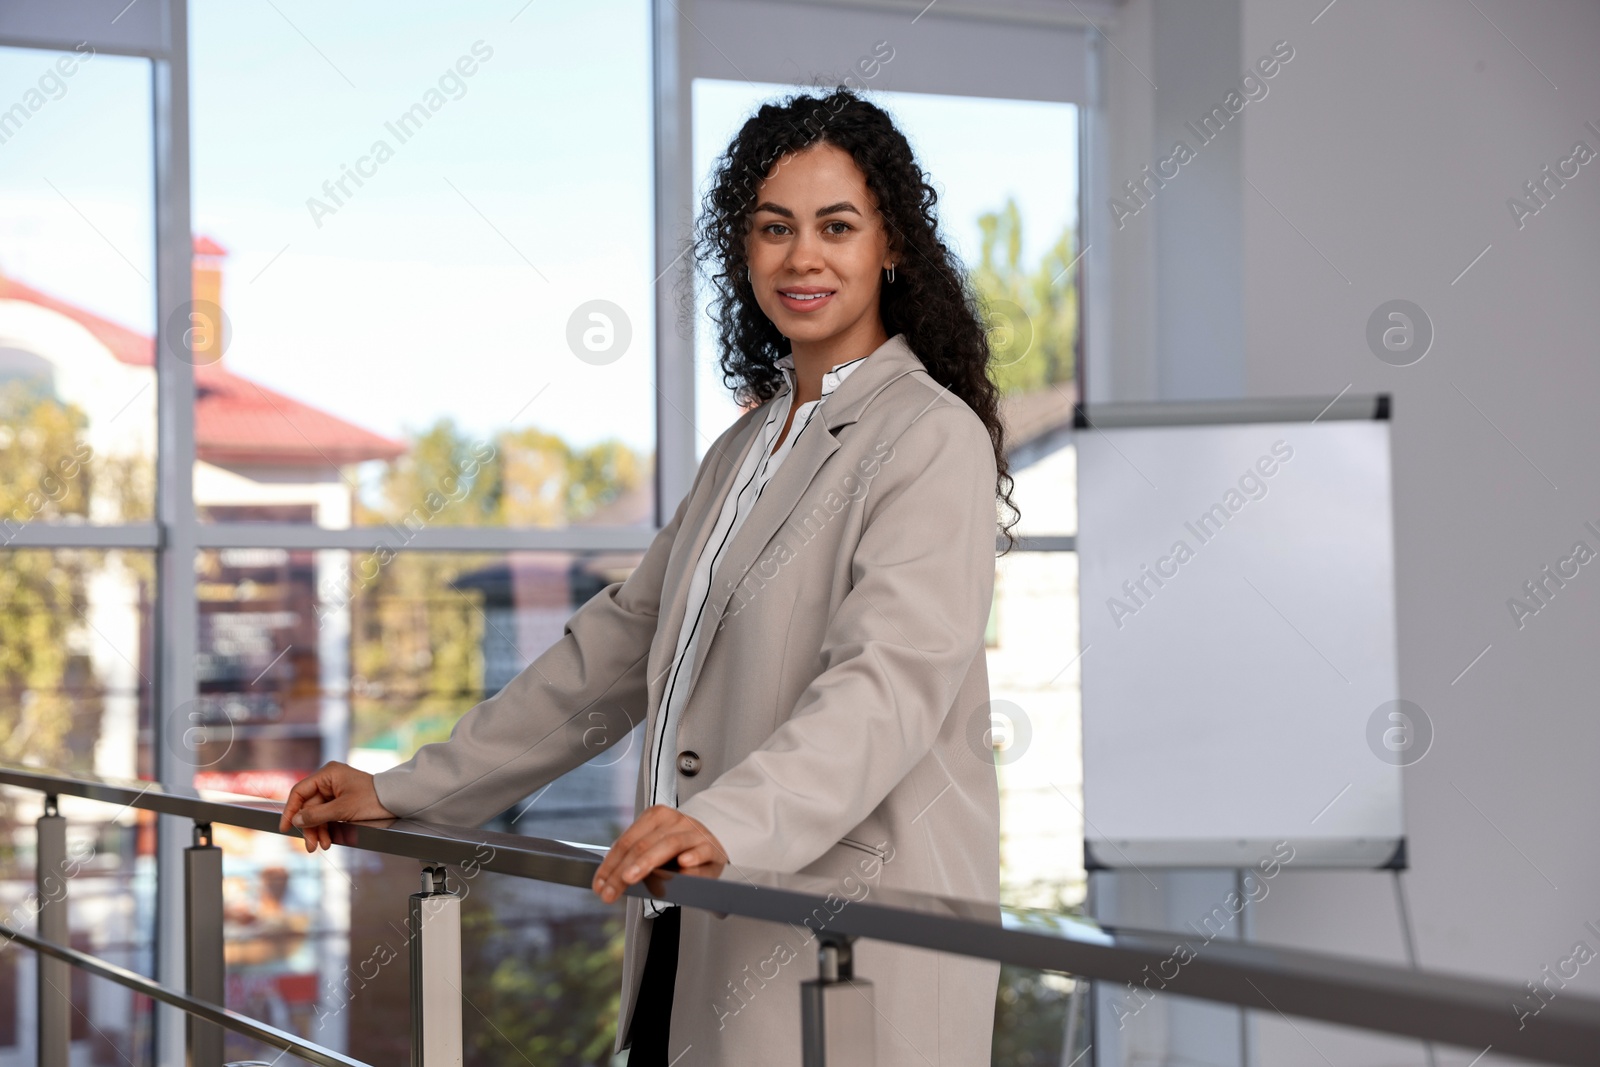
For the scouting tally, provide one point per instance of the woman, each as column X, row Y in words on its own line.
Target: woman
column 804, row 639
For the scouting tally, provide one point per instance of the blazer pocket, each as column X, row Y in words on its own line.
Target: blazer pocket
column 871, row 850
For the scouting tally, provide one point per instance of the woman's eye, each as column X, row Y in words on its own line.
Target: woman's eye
column 843, row 227
column 774, row 227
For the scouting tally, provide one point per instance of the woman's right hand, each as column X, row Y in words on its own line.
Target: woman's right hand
column 337, row 792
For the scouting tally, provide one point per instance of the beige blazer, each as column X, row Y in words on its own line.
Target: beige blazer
column 838, row 710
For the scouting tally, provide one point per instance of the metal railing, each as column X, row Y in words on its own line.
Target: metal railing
column 1452, row 1009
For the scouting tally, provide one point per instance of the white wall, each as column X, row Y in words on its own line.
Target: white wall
column 1378, row 167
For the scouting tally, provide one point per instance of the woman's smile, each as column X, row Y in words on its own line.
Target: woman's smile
column 805, row 298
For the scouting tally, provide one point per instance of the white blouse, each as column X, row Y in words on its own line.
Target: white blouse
column 745, row 489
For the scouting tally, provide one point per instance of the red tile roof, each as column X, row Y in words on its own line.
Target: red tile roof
column 129, row 346
column 236, row 420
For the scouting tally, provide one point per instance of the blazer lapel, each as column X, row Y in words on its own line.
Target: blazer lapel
column 777, row 501
column 702, row 512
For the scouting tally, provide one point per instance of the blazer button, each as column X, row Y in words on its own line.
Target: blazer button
column 688, row 764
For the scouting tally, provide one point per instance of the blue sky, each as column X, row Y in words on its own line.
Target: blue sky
column 443, row 284
column 76, row 185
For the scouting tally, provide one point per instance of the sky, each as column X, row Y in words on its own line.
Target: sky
column 445, row 282
column 75, row 183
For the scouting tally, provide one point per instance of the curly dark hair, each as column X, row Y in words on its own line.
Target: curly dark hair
column 931, row 301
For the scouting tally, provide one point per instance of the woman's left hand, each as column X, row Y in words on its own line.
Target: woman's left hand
column 660, row 835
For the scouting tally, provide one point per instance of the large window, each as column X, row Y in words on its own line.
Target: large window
column 422, row 315
column 423, row 264
column 77, row 289
column 412, row 265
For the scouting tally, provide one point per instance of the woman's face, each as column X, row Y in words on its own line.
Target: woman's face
column 817, row 247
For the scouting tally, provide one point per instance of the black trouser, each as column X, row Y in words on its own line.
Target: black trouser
column 652, row 1011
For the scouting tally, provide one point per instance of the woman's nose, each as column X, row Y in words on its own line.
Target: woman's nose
column 805, row 253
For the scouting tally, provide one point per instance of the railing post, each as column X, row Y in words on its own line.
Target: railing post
column 55, row 976
column 202, row 913
column 435, row 973
column 836, row 1010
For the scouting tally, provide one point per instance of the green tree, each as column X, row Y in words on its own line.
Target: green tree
column 555, row 1006
column 1032, row 1007
column 1032, row 315
column 44, row 476
column 417, row 640
column 1030, row 1018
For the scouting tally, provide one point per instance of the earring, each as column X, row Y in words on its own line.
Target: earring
column 890, row 272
